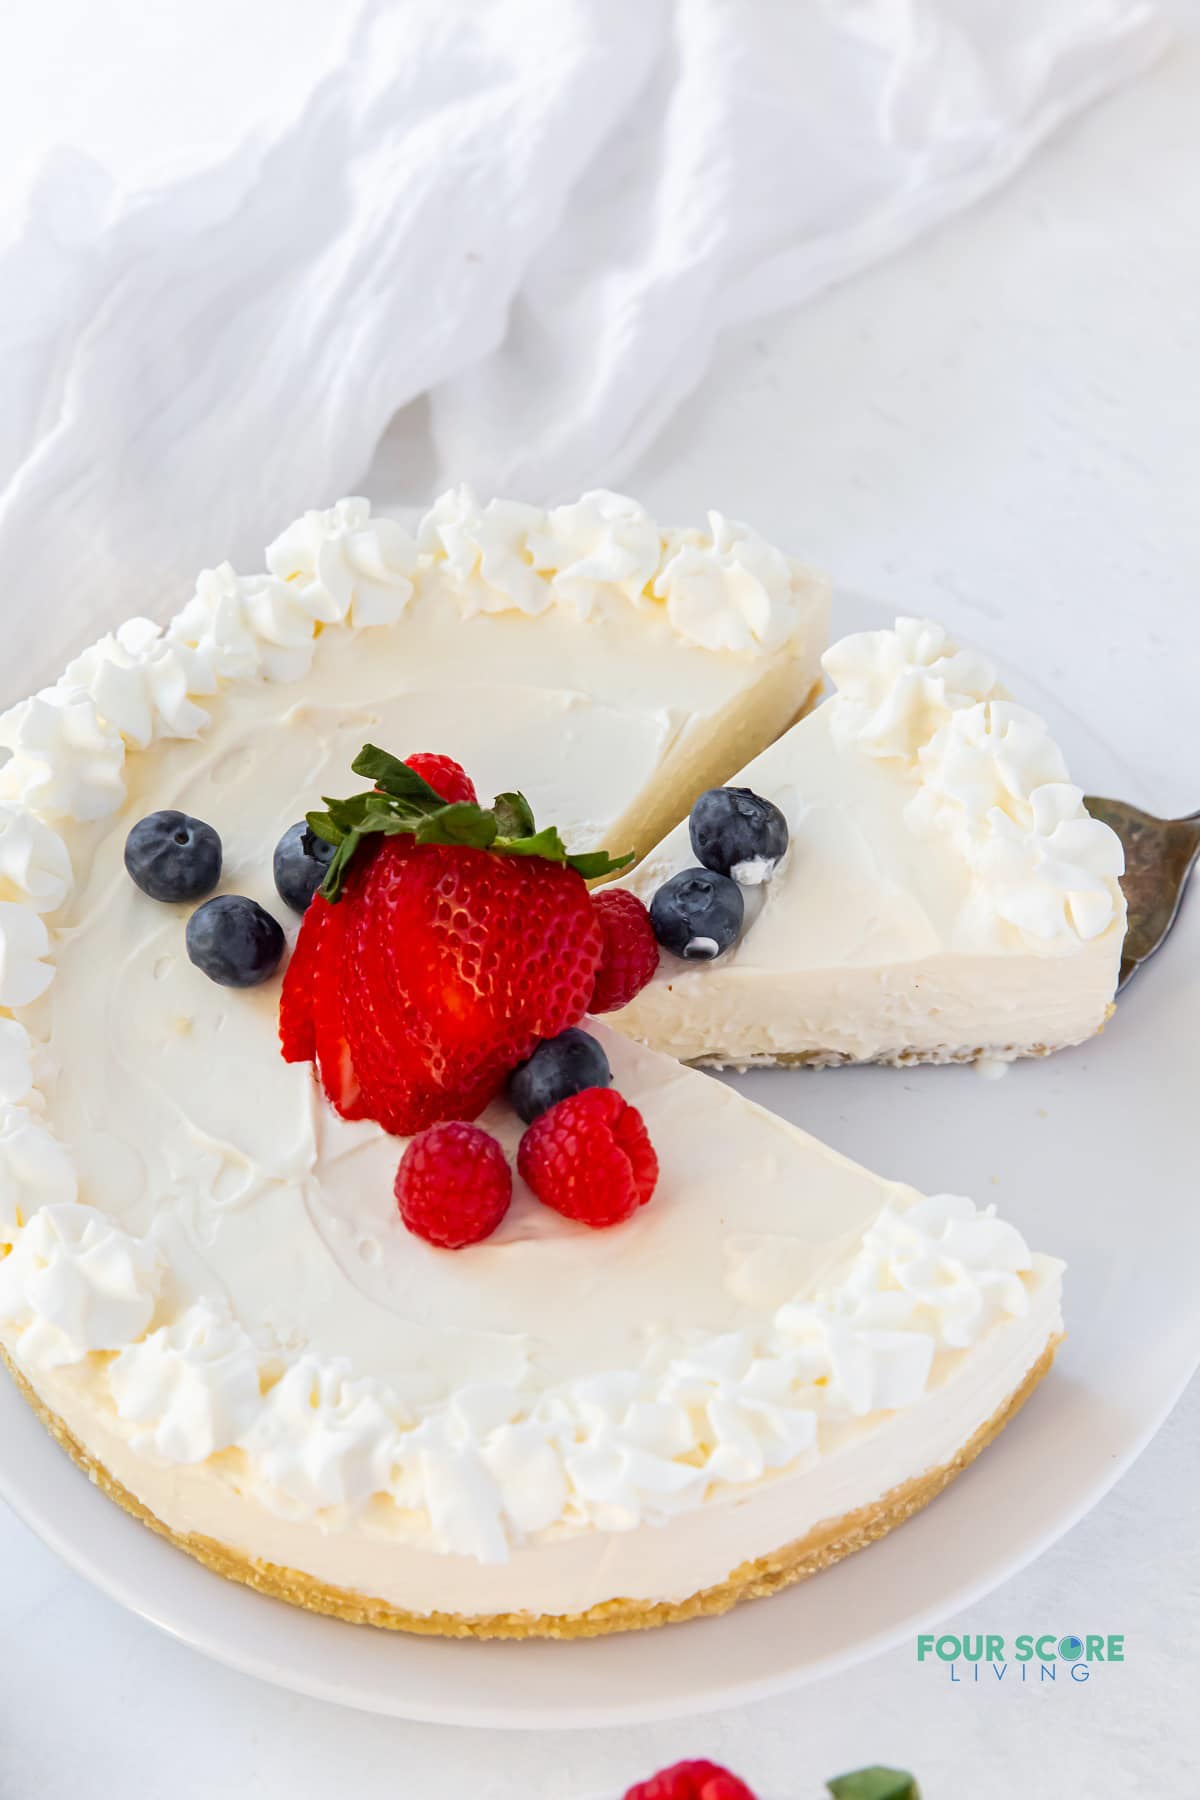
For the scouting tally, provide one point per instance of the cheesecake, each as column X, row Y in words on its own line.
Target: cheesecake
column 710, row 1361
column 943, row 895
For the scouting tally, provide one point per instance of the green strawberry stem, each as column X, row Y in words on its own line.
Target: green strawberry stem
column 402, row 803
column 874, row 1784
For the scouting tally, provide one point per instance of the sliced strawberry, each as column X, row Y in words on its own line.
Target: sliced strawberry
column 493, row 952
column 406, row 1080
column 335, row 1063
column 297, row 1028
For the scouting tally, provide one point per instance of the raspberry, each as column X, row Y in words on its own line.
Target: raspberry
column 446, row 777
column 630, row 954
column 453, row 1185
column 691, row 1781
column 590, row 1158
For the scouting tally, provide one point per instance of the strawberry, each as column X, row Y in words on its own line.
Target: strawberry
column 445, row 943
column 297, row 1030
column 333, row 1057
column 691, row 1781
column 462, row 961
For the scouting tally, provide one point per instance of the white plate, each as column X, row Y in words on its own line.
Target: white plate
column 1091, row 1153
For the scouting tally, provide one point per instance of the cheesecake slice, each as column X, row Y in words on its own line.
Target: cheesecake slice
column 944, row 895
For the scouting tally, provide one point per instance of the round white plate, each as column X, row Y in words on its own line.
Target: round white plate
column 1090, row 1153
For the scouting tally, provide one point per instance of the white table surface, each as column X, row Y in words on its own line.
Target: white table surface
column 1001, row 428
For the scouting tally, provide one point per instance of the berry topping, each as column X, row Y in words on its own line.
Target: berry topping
column 630, row 954
column 691, row 1781
column 448, row 779
column 738, row 833
column 697, row 914
column 297, row 1024
column 559, row 1067
column 590, row 1158
column 453, row 1185
column 234, row 942
column 444, row 944
column 172, row 857
column 458, row 963
column 301, row 864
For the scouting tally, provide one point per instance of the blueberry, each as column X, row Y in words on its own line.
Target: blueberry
column 302, row 860
column 738, row 833
column 559, row 1067
column 172, row 857
column 234, row 941
column 697, row 914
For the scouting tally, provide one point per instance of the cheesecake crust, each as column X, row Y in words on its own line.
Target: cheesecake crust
column 819, row 1549
column 895, row 1059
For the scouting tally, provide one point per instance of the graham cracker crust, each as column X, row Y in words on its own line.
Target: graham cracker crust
column 895, row 1059
column 827, row 1544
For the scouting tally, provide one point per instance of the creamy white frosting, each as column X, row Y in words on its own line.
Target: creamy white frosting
column 897, row 688
column 360, row 569
column 600, row 543
column 35, row 1169
column 726, row 590
column 24, row 947
column 484, row 549
column 35, row 865
column 258, row 625
column 16, row 1061
column 1054, row 872
column 66, row 762
column 73, row 1283
column 989, row 774
column 142, row 683
column 730, row 590
column 192, row 1385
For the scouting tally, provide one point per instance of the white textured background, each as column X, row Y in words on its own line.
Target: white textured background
column 1002, row 427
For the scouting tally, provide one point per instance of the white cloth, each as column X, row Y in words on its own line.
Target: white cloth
column 538, row 212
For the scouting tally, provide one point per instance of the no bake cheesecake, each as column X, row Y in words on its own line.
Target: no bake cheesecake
column 215, row 1285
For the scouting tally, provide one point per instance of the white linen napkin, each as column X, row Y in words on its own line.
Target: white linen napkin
column 538, row 212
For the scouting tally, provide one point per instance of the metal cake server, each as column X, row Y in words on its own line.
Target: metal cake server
column 1159, row 857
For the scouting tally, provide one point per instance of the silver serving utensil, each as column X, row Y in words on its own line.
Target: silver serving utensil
column 1159, row 857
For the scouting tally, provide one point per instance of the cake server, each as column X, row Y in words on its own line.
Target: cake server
column 1159, row 856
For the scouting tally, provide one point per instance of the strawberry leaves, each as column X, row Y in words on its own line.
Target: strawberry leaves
column 402, row 802
column 874, row 1784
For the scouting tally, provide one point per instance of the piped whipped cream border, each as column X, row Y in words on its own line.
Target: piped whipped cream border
column 986, row 774
column 491, row 1466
